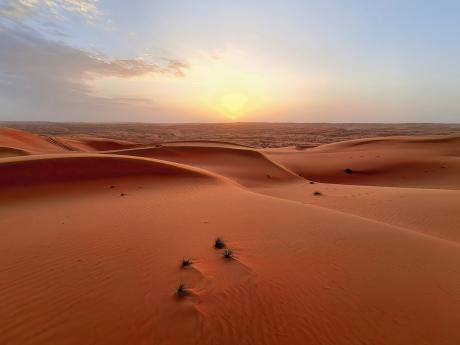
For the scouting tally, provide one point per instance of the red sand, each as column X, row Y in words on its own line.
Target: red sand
column 92, row 242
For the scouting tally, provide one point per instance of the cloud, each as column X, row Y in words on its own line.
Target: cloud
column 134, row 67
column 50, row 79
column 19, row 9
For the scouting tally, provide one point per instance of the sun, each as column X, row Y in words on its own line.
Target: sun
column 229, row 86
column 233, row 103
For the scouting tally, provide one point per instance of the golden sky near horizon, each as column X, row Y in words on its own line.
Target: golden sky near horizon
column 230, row 85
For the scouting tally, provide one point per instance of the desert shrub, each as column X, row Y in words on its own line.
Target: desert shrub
column 185, row 262
column 181, row 290
column 219, row 243
column 228, row 254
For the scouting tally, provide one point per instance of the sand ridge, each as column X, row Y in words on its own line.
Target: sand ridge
column 41, row 169
column 399, row 162
column 246, row 166
column 15, row 141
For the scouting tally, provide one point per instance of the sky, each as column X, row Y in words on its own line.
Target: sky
column 230, row 60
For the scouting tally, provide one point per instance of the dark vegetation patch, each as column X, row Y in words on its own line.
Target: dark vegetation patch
column 219, row 243
column 181, row 290
column 228, row 254
column 186, row 262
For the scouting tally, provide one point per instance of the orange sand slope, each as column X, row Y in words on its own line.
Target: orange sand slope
column 14, row 142
column 245, row 166
column 96, row 144
column 92, row 244
column 425, row 162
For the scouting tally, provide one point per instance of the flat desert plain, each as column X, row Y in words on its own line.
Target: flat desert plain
column 113, row 241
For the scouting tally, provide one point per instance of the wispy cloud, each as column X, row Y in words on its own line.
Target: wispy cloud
column 52, row 77
column 27, row 53
column 125, row 68
column 19, row 9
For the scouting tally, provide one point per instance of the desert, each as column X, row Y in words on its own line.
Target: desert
column 107, row 241
column 232, row 172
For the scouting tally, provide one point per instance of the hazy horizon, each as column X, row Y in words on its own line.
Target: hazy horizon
column 222, row 61
column 228, row 122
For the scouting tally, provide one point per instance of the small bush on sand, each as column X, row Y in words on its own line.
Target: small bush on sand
column 181, row 290
column 348, row 171
column 228, row 254
column 317, row 193
column 219, row 243
column 185, row 262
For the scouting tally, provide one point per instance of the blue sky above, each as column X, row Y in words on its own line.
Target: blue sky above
column 209, row 61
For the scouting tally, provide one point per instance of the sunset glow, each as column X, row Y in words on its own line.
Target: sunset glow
column 301, row 61
column 234, row 103
column 229, row 85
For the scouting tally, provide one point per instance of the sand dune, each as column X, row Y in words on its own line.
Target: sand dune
column 12, row 152
column 92, row 243
column 76, row 167
column 437, row 143
column 206, row 143
column 245, row 166
column 402, row 162
column 432, row 212
column 15, row 142
column 98, row 144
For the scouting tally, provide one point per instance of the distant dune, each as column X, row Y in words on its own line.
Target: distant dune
column 355, row 242
column 257, row 135
column 15, row 141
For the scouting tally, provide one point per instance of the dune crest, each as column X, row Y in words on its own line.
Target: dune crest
column 20, row 141
column 98, row 144
column 245, row 166
column 76, row 167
